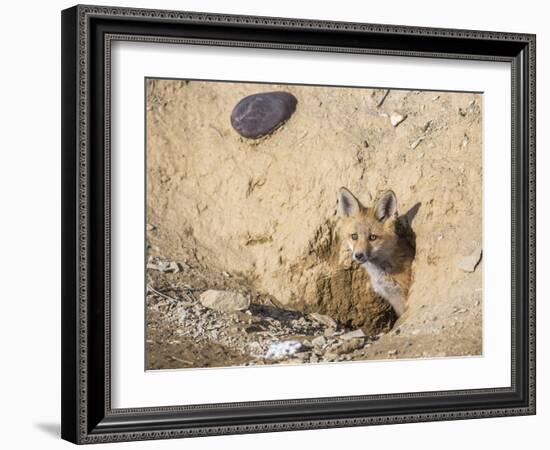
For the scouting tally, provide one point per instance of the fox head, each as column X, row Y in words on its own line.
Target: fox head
column 369, row 232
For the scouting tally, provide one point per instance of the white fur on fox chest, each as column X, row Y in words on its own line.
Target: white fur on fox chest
column 385, row 286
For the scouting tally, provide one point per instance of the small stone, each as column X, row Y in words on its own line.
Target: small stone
column 349, row 346
column 259, row 114
column 359, row 333
column 163, row 266
column 417, row 142
column 427, row 126
column 329, row 332
column 392, row 353
column 330, row 356
column 397, row 118
column 225, row 301
column 470, row 262
column 150, row 227
column 324, row 320
column 319, row 341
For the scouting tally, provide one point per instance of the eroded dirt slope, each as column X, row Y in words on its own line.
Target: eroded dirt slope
column 260, row 216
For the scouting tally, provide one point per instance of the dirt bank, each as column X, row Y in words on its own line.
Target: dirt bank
column 260, row 216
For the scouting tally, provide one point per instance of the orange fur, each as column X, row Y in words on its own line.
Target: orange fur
column 378, row 241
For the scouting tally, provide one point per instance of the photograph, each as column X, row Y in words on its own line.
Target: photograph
column 311, row 224
column 277, row 222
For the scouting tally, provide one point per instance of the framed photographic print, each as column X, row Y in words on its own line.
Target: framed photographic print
column 282, row 224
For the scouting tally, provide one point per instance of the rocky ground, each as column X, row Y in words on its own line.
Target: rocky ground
column 232, row 330
column 201, row 327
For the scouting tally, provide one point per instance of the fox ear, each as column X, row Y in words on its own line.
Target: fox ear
column 386, row 206
column 348, row 205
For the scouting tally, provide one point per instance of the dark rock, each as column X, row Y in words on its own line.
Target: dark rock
column 259, row 114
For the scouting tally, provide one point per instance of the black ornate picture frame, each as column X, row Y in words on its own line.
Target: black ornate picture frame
column 87, row 35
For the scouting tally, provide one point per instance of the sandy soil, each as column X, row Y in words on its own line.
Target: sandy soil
column 258, row 217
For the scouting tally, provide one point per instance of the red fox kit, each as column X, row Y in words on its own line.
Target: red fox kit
column 378, row 241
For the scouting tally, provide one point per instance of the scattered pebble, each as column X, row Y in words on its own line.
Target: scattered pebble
column 392, row 352
column 417, row 142
column 397, row 118
column 324, row 319
column 224, row 300
column 155, row 263
column 319, row 341
column 359, row 333
column 259, row 114
column 472, row 108
column 427, row 126
column 150, row 227
column 470, row 262
column 349, row 346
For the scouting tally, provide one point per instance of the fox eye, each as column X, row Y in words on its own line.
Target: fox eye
column 372, row 237
column 354, row 236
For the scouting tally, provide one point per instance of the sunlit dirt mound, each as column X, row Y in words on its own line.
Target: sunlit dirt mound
column 263, row 212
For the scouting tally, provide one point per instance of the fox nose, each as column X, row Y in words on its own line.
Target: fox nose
column 359, row 257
